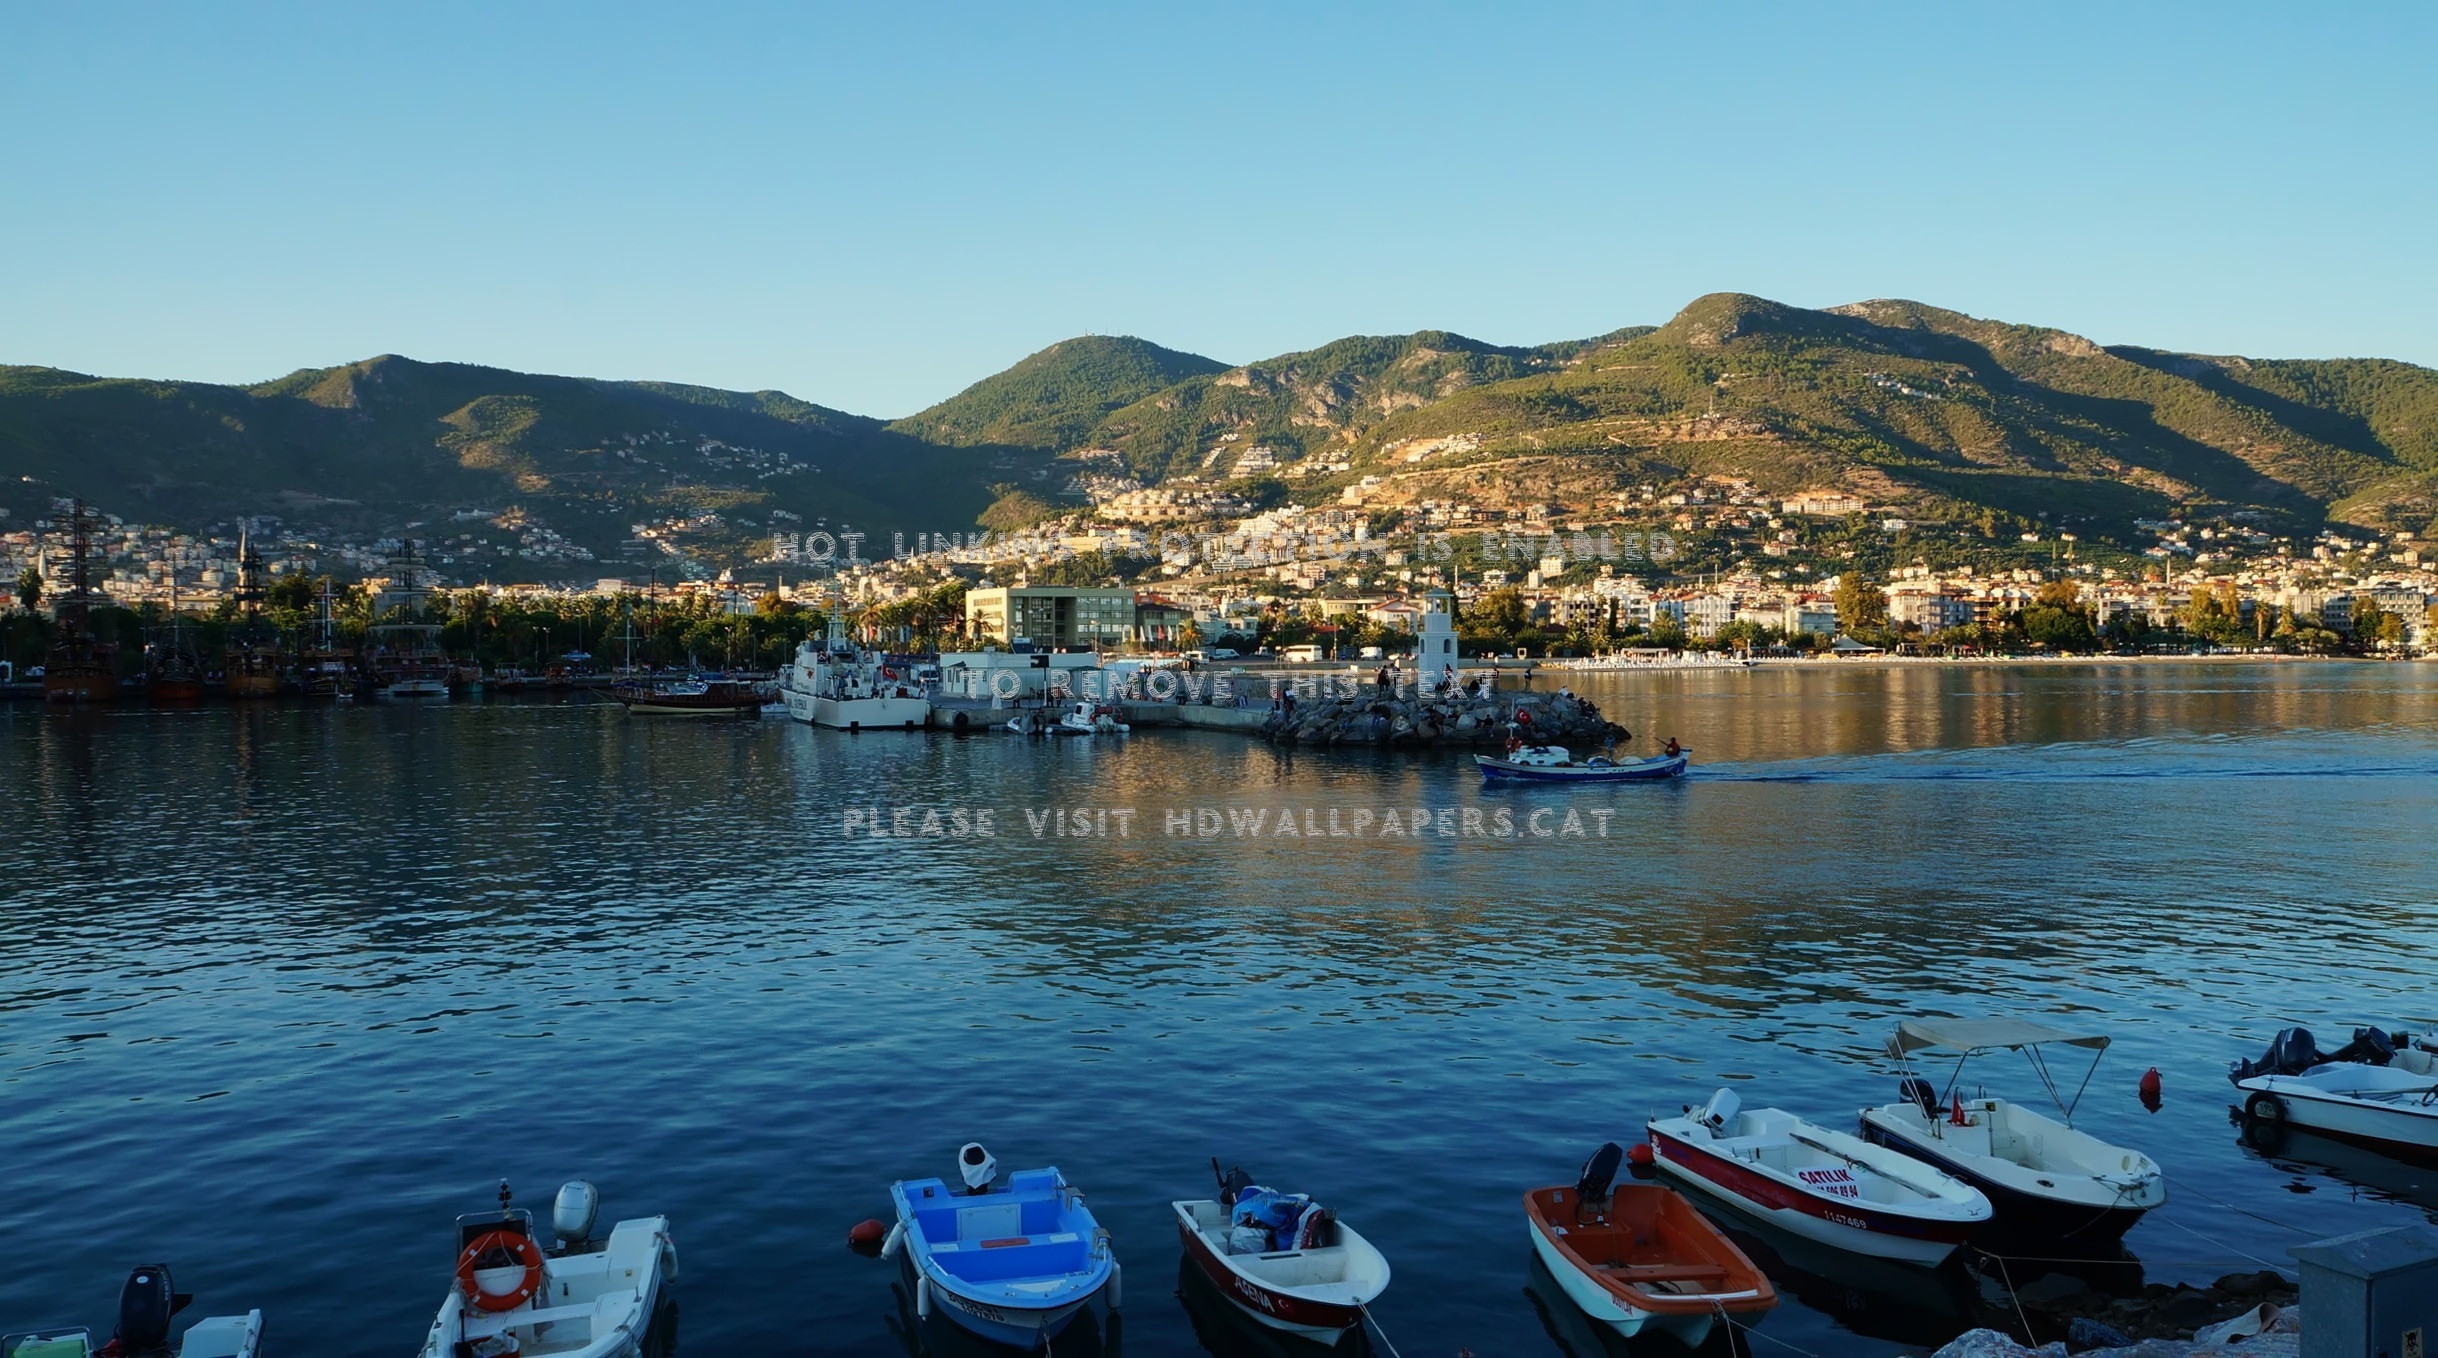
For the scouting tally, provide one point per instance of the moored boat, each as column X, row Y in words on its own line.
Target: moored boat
column 834, row 683
column 2380, row 1090
column 1013, row 1264
column 148, row 1301
column 710, row 695
column 576, row 1298
column 1282, row 1259
column 78, row 667
column 1554, row 764
column 2044, row 1179
column 1639, row 1256
column 1826, row 1185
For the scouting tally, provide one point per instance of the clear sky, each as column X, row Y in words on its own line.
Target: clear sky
column 872, row 205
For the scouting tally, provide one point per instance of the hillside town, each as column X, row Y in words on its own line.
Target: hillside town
column 1711, row 564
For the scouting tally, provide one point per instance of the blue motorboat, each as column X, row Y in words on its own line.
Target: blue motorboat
column 1013, row 1263
column 1553, row 764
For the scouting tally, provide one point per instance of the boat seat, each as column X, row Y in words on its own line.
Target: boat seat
column 1663, row 1273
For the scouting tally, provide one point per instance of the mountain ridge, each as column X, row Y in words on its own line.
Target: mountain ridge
column 1943, row 414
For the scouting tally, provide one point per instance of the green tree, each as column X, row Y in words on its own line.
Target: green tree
column 2373, row 625
column 1860, row 603
column 29, row 589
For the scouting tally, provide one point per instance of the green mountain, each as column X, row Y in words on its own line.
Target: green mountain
column 391, row 445
column 1912, row 404
column 1054, row 398
column 1946, row 416
column 1313, row 403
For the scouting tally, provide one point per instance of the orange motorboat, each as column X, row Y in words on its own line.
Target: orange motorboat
column 1640, row 1256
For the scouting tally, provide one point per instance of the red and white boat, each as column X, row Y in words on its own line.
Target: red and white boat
column 1282, row 1259
column 1640, row 1256
column 1827, row 1186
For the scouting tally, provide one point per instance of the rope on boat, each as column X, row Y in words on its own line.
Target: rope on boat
column 2225, row 1246
column 2181, row 1187
column 1751, row 1334
column 2007, row 1276
column 1376, row 1329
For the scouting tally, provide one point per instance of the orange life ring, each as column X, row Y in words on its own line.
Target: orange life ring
column 487, row 1245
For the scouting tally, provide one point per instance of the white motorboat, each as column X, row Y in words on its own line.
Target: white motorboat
column 834, row 683
column 147, row 1301
column 2043, row 1178
column 1823, row 1185
column 1282, row 1259
column 2379, row 1090
column 577, row 1298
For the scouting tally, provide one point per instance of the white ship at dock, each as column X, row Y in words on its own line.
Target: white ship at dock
column 833, row 682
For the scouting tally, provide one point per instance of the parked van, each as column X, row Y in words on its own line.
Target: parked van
column 1299, row 654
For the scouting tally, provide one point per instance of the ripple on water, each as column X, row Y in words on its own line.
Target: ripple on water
column 281, row 976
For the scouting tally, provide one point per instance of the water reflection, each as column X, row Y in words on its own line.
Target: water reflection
column 280, row 974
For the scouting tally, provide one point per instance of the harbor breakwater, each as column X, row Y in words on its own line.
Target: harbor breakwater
column 1403, row 717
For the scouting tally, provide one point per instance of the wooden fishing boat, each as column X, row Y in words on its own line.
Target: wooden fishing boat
column 1282, row 1259
column 707, row 696
column 1831, row 1187
column 1639, row 1256
column 78, row 667
column 1554, row 764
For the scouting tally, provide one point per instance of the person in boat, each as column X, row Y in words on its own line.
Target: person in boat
column 1674, row 749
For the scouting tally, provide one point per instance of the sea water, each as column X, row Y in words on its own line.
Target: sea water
column 283, row 990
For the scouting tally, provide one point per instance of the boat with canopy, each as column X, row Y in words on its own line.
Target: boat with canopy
column 2044, row 1178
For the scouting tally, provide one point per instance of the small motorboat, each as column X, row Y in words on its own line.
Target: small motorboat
column 1092, row 719
column 1554, row 764
column 147, row 1302
column 1639, row 1256
column 2379, row 1090
column 2044, row 1179
column 1011, row 1264
column 1827, row 1186
column 577, row 1298
column 1281, row 1258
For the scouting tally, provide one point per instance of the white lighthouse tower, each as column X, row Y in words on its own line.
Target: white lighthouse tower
column 1435, row 651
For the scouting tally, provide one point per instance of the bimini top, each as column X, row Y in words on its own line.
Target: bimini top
column 1972, row 1035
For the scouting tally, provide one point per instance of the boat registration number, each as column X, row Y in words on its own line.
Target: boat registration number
column 1837, row 1182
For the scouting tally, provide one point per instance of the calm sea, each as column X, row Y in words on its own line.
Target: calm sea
column 282, row 991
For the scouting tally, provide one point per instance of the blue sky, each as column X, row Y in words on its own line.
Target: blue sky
column 872, row 206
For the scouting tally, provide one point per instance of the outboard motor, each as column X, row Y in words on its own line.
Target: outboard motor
column 573, row 1211
column 1720, row 1112
column 1599, row 1175
column 1233, row 1182
column 1917, row 1091
column 2291, row 1052
column 976, row 1164
column 145, row 1305
column 2370, row 1046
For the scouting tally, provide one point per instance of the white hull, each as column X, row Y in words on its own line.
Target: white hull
column 2400, row 1120
column 596, row 1305
column 865, row 714
column 1024, row 1327
column 1596, row 1302
column 1853, row 1240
